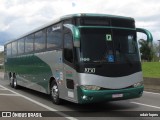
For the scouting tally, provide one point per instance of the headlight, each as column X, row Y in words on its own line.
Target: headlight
column 138, row 84
column 90, row 87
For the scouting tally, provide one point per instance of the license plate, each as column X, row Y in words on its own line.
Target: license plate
column 117, row 95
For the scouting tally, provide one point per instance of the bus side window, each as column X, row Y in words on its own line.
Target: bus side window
column 21, row 46
column 131, row 44
column 14, row 48
column 68, row 47
column 29, row 43
column 9, row 49
column 40, row 40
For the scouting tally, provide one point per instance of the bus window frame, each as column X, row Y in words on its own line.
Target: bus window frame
column 21, row 39
column 9, row 55
column 15, row 47
column 54, row 48
column 33, row 50
column 71, row 64
column 45, row 41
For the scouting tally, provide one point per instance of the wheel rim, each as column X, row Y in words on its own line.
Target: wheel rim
column 15, row 83
column 55, row 92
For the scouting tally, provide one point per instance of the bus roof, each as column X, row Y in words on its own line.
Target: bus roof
column 94, row 15
column 67, row 17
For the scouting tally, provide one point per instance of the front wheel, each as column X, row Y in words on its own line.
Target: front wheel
column 55, row 93
column 15, row 83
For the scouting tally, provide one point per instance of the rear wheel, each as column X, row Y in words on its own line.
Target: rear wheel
column 55, row 93
column 12, row 82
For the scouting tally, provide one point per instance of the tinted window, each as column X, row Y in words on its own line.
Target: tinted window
column 54, row 37
column 94, row 21
column 21, row 46
column 104, row 21
column 108, row 45
column 69, row 21
column 40, row 40
column 125, row 42
column 131, row 44
column 94, row 45
column 123, row 23
column 68, row 47
column 9, row 52
column 14, row 48
column 29, row 43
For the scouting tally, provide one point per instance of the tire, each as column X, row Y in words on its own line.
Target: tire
column 15, row 85
column 55, row 94
column 12, row 82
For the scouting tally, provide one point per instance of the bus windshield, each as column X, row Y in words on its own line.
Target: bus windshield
column 108, row 45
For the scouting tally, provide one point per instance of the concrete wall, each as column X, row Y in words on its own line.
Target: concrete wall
column 152, row 84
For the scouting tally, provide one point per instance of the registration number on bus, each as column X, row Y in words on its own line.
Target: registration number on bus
column 117, row 95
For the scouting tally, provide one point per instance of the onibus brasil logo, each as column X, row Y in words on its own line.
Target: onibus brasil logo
column 21, row 114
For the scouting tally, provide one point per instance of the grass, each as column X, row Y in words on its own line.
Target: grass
column 151, row 69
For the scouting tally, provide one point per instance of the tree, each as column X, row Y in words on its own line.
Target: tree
column 146, row 50
column 155, row 52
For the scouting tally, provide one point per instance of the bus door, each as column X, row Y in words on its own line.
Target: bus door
column 68, row 65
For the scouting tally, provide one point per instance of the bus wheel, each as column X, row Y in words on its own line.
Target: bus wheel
column 12, row 82
column 55, row 93
column 15, row 83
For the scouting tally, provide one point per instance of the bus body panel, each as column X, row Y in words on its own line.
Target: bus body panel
column 61, row 72
column 71, row 82
column 53, row 59
column 109, row 82
column 34, row 71
column 31, row 72
column 92, row 96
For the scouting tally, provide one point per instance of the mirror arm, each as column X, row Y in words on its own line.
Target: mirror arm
column 149, row 35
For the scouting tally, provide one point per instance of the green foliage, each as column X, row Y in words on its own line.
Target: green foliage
column 151, row 69
column 146, row 50
column 155, row 52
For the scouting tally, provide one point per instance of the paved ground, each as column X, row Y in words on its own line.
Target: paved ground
column 23, row 100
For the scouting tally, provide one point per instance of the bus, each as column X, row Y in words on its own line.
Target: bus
column 82, row 58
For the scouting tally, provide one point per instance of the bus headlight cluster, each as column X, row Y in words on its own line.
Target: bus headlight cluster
column 90, row 87
column 138, row 84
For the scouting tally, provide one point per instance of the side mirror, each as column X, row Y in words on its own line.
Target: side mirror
column 149, row 35
column 75, row 33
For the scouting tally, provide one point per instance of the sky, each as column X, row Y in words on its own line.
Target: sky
column 18, row 17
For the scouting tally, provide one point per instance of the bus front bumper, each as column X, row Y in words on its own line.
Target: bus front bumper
column 92, row 96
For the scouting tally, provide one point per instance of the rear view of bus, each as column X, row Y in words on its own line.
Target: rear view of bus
column 108, row 62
